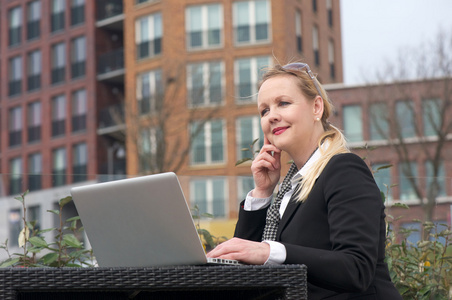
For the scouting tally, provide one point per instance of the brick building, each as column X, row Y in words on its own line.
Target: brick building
column 181, row 74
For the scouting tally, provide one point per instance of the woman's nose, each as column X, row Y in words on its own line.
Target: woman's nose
column 273, row 116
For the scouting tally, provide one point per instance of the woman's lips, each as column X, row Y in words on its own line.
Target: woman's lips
column 279, row 130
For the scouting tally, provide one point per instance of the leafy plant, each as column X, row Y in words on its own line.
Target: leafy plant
column 422, row 270
column 209, row 241
column 65, row 251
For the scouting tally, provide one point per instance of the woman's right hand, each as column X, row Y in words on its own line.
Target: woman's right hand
column 266, row 168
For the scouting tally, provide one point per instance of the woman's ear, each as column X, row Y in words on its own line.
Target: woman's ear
column 318, row 107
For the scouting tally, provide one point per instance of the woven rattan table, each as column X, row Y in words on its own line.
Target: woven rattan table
column 179, row 282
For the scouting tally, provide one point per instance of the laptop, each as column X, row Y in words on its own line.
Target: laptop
column 140, row 222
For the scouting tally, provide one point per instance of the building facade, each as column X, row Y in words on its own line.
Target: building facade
column 166, row 85
column 192, row 74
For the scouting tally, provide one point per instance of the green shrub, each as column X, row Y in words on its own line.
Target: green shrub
column 64, row 251
column 422, row 270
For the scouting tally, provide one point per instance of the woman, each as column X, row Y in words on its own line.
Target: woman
column 328, row 213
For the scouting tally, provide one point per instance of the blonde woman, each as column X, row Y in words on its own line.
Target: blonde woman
column 328, row 213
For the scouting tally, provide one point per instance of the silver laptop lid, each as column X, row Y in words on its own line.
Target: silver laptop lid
column 138, row 222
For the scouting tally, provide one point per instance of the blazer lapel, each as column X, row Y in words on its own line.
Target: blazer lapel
column 292, row 207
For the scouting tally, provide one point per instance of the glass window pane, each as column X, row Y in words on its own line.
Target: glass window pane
column 383, row 179
column 353, row 128
column 405, row 118
column 407, row 191
column 379, row 127
column 431, row 116
column 218, row 195
column 217, row 141
column 440, row 179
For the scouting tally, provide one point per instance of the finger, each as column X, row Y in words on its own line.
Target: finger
column 266, row 141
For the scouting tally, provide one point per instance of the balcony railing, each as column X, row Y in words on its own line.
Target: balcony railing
column 111, row 116
column 111, row 61
column 108, row 9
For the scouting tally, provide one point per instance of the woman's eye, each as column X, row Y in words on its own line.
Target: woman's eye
column 283, row 103
column 264, row 112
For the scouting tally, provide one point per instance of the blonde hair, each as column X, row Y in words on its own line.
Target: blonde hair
column 330, row 143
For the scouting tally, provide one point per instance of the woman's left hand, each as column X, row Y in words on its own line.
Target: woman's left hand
column 253, row 253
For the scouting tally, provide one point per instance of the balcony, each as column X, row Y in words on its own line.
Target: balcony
column 110, row 66
column 110, row 14
column 112, row 122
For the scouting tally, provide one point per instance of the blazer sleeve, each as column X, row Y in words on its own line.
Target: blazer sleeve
column 354, row 211
column 250, row 224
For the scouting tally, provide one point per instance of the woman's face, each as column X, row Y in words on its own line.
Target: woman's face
column 288, row 118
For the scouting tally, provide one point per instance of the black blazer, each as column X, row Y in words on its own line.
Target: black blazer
column 338, row 233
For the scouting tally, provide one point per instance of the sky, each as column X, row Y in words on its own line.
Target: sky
column 375, row 31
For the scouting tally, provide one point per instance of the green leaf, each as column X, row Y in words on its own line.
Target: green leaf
column 54, row 211
column 65, row 201
column 241, row 161
column 76, row 218
column 402, row 205
column 384, row 167
column 49, row 258
column 38, row 241
column 72, row 241
column 46, row 230
column 9, row 262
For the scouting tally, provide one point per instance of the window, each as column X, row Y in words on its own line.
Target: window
column 331, row 59
column 34, row 70
column 209, row 195
column 34, row 17
column 34, row 171
column 315, row 45
column 34, row 122
column 248, row 72
column 314, row 6
column 329, row 10
column 405, row 119
column 353, row 128
column 77, row 12
column 245, row 184
column 150, row 92
column 78, row 57
column 407, row 173
column 251, row 21
column 15, row 26
column 378, row 122
column 15, row 76
column 15, row 226
column 15, row 184
column 204, row 82
column 151, row 151
column 298, row 31
column 439, row 176
column 79, row 162
column 59, row 166
column 248, row 130
column 204, row 25
column 58, row 61
column 58, row 115
column 148, row 36
column 383, row 179
column 79, row 110
column 15, row 126
column 431, row 116
column 57, row 15
column 208, row 142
